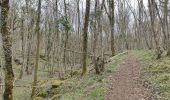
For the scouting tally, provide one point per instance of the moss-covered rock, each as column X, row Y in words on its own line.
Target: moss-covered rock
column 42, row 93
column 41, row 83
column 38, row 98
column 56, row 83
column 56, row 97
column 41, row 90
column 54, row 91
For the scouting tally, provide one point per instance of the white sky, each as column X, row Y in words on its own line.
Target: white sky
column 134, row 3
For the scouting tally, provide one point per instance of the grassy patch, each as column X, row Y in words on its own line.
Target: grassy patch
column 144, row 54
column 91, row 86
column 97, row 93
column 156, row 74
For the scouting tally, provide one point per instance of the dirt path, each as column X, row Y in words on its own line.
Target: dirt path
column 127, row 83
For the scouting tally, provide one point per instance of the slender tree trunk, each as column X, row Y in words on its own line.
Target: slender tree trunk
column 166, row 25
column 152, row 10
column 38, row 47
column 23, row 51
column 95, row 39
column 66, row 38
column 7, row 44
column 28, row 66
column 111, row 17
column 101, row 32
column 112, row 22
column 79, row 28
column 85, row 37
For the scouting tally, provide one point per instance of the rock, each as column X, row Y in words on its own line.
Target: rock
column 56, row 97
column 53, row 91
column 56, row 83
column 38, row 98
column 42, row 93
column 42, row 83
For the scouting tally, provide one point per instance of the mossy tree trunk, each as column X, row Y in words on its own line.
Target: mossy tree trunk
column 85, row 37
column 38, row 46
column 152, row 11
column 7, row 44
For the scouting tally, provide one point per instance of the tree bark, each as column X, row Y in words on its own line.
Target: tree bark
column 112, row 22
column 95, row 39
column 85, row 37
column 111, row 17
column 23, row 44
column 7, row 44
column 152, row 11
column 38, row 47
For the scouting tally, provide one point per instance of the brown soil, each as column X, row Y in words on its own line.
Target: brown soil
column 127, row 83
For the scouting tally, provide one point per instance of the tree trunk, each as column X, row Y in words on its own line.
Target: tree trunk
column 23, row 44
column 166, row 25
column 85, row 37
column 152, row 12
column 112, row 22
column 7, row 44
column 111, row 17
column 66, row 38
column 95, row 40
column 38, row 46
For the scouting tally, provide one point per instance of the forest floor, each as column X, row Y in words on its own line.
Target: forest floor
column 127, row 83
column 136, row 75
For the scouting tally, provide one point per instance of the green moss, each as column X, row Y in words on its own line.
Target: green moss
column 41, row 83
column 56, row 83
column 56, row 97
column 97, row 93
column 157, row 72
column 54, row 91
column 157, row 69
column 167, row 95
column 42, row 93
column 38, row 98
column 144, row 54
column 164, row 78
column 91, row 86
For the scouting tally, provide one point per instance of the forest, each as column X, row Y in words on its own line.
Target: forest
column 84, row 50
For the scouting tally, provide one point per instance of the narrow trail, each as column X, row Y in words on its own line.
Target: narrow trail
column 127, row 83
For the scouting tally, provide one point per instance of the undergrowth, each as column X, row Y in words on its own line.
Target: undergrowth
column 156, row 74
column 91, row 86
